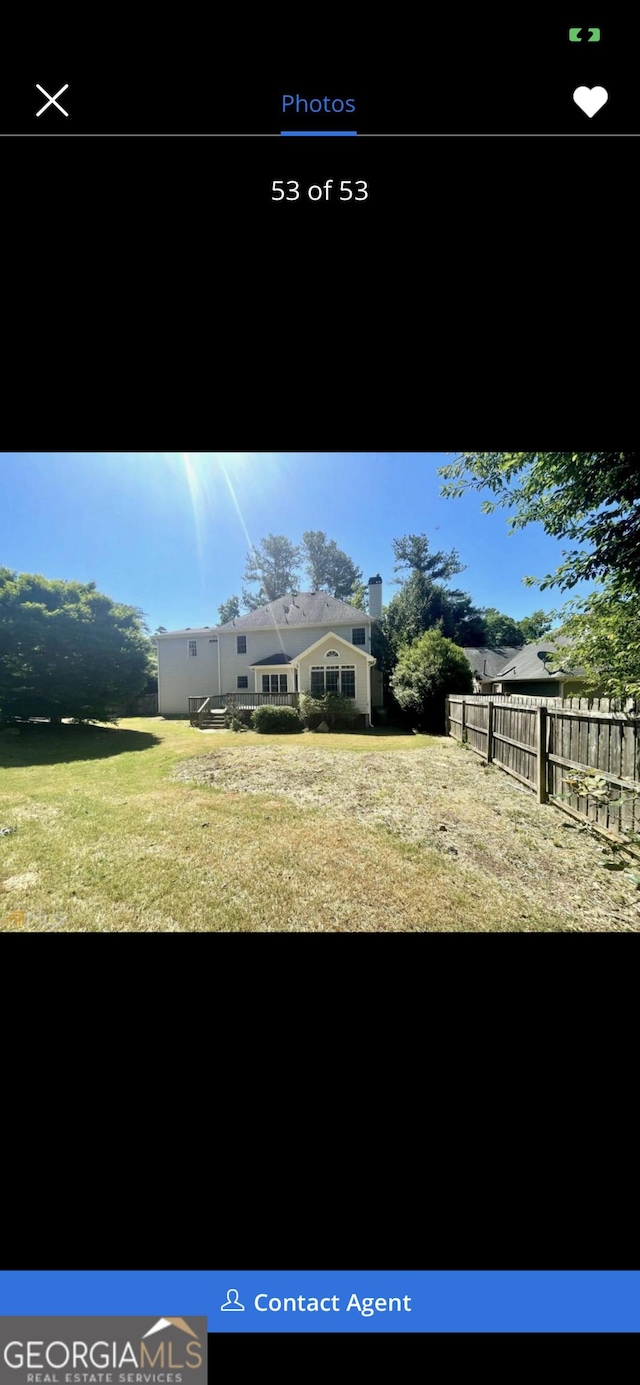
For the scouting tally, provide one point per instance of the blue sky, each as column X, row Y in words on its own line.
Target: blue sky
column 170, row 531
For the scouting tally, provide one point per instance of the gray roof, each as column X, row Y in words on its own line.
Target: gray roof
column 201, row 630
column 305, row 608
column 487, row 662
column 279, row 658
column 525, row 663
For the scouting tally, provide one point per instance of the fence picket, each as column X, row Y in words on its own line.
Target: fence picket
column 539, row 740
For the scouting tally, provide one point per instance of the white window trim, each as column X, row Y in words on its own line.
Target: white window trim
column 272, row 671
column 192, row 653
column 350, row 667
column 241, row 652
column 245, row 686
column 363, row 645
column 321, row 668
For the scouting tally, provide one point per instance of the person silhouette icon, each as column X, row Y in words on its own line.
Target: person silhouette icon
column 232, row 1305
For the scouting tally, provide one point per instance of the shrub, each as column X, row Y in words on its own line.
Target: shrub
column 275, row 720
column 336, row 710
column 309, row 705
column 425, row 672
column 237, row 718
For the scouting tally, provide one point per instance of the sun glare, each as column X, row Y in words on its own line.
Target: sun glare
column 240, row 474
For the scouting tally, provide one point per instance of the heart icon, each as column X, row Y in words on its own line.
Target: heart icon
column 590, row 99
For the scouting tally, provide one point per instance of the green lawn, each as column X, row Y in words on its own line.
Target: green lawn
column 107, row 838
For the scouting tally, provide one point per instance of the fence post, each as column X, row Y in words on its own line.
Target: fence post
column 462, row 727
column 541, row 762
column 490, row 732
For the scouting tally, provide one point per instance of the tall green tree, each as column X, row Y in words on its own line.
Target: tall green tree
column 67, row 650
column 461, row 621
column 500, row 629
column 273, row 565
column 329, row 568
column 604, row 631
column 411, row 553
column 423, row 602
column 592, row 499
column 229, row 610
column 535, row 626
column 359, row 597
column 425, row 672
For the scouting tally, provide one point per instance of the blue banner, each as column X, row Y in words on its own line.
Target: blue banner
column 341, row 1300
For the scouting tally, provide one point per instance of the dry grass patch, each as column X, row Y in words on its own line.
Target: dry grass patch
column 117, row 831
column 440, row 796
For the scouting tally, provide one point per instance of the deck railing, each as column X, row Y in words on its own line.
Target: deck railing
column 198, row 707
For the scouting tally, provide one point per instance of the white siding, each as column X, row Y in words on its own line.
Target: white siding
column 181, row 677
column 354, row 656
column 261, row 644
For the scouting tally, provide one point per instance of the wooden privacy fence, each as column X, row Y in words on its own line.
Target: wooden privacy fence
column 540, row 741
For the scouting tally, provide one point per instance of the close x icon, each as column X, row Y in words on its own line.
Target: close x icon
column 52, row 100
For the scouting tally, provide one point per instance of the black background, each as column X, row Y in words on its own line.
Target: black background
column 155, row 294
column 445, row 71
column 319, row 1102
column 162, row 300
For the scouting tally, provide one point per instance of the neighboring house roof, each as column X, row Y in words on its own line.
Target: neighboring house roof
column 275, row 659
column 305, row 608
column 526, row 663
column 487, row 662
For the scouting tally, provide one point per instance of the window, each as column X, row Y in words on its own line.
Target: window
column 243, row 681
column 193, row 648
column 265, row 682
column 274, row 682
column 348, row 682
column 333, row 680
column 358, row 635
column 241, row 644
column 283, row 682
column 332, row 654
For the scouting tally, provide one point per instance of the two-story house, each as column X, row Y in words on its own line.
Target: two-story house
column 306, row 642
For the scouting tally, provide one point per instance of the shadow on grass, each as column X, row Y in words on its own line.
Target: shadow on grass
column 372, row 732
column 388, row 730
column 41, row 744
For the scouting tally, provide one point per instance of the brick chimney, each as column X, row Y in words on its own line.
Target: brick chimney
column 375, row 596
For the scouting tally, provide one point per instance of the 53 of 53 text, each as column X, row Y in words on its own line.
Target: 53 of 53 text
column 344, row 191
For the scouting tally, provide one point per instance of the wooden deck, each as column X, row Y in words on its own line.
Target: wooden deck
column 243, row 701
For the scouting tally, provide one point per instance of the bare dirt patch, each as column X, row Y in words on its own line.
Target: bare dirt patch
column 441, row 797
